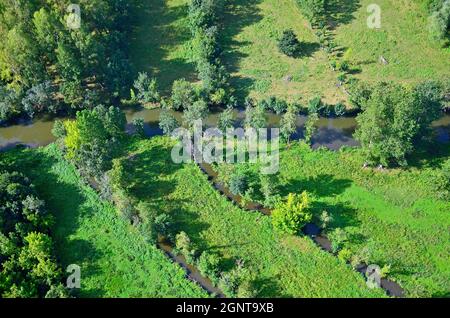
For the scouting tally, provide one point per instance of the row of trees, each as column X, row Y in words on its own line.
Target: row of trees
column 204, row 27
column 47, row 66
column 28, row 266
column 314, row 11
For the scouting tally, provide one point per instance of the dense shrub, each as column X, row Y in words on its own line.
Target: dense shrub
column 226, row 120
column 183, row 94
column 147, row 89
column 208, row 265
column 393, row 120
column 167, row 122
column 291, row 215
column 289, row 44
column 238, row 184
column 27, row 260
column 138, row 127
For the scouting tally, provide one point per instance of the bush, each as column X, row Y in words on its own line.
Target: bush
column 291, row 215
column 208, row 265
column 59, row 130
column 147, row 89
column 167, row 122
column 238, row 184
column 339, row 109
column 315, row 105
column 183, row 94
column 345, row 255
column 338, row 237
column 138, row 127
column 186, row 247
column 325, row 220
column 226, row 120
column 38, row 99
column 289, row 44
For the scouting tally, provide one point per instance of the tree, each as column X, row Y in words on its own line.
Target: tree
column 310, row 127
column 226, row 120
column 9, row 103
column 38, row 99
column 290, row 216
column 255, row 116
column 183, row 94
column 138, row 127
column 392, row 122
column 238, row 184
column 147, row 89
column 197, row 111
column 289, row 44
column 288, row 124
column 167, row 122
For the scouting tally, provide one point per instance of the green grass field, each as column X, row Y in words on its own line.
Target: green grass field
column 396, row 216
column 250, row 33
column 283, row 266
column 160, row 44
column 115, row 260
column 403, row 40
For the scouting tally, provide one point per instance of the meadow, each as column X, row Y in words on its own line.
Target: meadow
column 114, row 258
column 282, row 266
column 403, row 41
column 396, row 217
column 249, row 38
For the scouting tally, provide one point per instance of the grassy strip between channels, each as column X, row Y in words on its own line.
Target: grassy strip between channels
column 283, row 266
column 115, row 260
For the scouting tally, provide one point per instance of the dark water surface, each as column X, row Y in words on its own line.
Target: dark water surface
column 332, row 133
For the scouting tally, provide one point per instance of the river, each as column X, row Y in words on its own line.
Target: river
column 332, row 133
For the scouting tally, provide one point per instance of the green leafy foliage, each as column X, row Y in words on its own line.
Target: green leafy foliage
column 291, row 215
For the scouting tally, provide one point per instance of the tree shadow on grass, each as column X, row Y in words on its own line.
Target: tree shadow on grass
column 157, row 32
column 237, row 15
column 323, row 185
column 149, row 173
column 269, row 287
column 341, row 12
column 307, row 49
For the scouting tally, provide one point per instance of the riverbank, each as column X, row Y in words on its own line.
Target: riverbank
column 332, row 133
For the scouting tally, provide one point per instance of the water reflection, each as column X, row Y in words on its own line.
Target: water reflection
column 332, row 133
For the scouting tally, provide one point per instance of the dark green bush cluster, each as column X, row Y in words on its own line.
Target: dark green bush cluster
column 250, row 185
column 204, row 29
column 92, row 140
column 289, row 44
column 39, row 48
column 274, row 104
column 317, row 106
column 27, row 260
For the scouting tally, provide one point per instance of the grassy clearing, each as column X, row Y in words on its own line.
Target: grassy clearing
column 115, row 261
column 160, row 44
column 403, row 40
column 394, row 214
column 249, row 36
column 284, row 266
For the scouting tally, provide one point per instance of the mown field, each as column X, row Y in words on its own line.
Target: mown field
column 403, row 40
column 115, row 260
column 395, row 217
column 250, row 35
column 283, row 266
